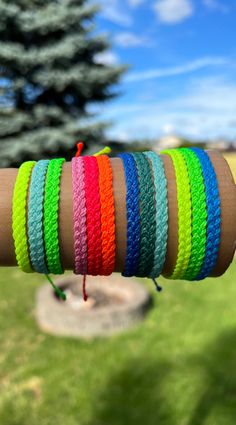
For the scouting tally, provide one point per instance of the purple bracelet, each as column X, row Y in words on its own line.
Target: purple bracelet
column 79, row 216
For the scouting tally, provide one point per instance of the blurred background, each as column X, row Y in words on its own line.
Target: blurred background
column 133, row 74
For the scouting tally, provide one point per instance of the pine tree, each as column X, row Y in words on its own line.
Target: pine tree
column 48, row 76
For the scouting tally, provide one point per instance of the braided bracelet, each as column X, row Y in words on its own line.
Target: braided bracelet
column 213, row 214
column 184, row 214
column 19, row 216
column 79, row 215
column 107, row 215
column 160, row 184
column 199, row 213
column 132, row 212
column 51, row 206
column 93, row 208
column 147, row 215
column 35, row 217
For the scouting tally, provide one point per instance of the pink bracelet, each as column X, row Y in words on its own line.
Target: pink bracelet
column 93, row 207
column 79, row 216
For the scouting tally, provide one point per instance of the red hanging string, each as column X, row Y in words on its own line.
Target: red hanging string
column 85, row 295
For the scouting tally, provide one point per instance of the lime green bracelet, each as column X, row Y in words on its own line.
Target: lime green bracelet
column 19, row 216
column 199, row 213
column 51, row 206
column 184, row 213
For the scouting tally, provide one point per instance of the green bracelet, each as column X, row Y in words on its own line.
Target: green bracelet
column 199, row 213
column 51, row 206
column 184, row 213
column 19, row 216
column 147, row 215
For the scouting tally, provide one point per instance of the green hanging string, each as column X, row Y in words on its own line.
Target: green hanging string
column 58, row 291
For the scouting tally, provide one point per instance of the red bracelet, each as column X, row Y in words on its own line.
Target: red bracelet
column 93, row 208
column 107, row 215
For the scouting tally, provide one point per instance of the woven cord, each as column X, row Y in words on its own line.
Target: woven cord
column 147, row 215
column 51, row 207
column 93, row 209
column 19, row 216
column 35, row 217
column 79, row 212
column 199, row 213
column 132, row 212
column 107, row 215
column 160, row 184
column 213, row 214
column 184, row 213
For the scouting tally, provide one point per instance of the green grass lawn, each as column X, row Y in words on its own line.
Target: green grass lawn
column 177, row 368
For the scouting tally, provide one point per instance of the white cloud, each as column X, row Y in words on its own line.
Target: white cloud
column 128, row 39
column 216, row 5
column 113, row 11
column 206, row 110
column 176, row 70
column 173, row 11
column 108, row 58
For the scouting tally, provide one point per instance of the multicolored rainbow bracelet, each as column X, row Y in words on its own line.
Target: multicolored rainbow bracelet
column 35, row 215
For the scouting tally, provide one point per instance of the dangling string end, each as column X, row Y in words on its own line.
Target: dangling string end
column 85, row 295
column 80, row 147
column 158, row 287
column 104, row 151
column 57, row 290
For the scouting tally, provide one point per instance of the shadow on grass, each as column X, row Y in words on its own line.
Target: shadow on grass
column 137, row 394
column 217, row 366
column 133, row 396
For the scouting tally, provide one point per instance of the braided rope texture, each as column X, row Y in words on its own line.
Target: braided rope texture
column 19, row 216
column 93, row 208
column 107, row 214
column 213, row 214
column 79, row 213
column 147, row 215
column 132, row 211
column 161, row 199
column 199, row 213
column 184, row 213
column 51, row 207
column 35, row 217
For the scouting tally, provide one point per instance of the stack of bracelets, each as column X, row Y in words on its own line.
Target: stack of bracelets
column 35, row 215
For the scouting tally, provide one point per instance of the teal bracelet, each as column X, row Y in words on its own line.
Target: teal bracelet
column 35, row 217
column 51, row 206
column 147, row 207
column 160, row 184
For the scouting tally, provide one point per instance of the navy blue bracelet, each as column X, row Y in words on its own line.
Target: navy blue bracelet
column 213, row 214
column 133, row 219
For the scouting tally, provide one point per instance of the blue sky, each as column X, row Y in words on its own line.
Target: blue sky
column 182, row 77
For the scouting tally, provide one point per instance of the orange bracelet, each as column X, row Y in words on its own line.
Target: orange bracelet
column 107, row 214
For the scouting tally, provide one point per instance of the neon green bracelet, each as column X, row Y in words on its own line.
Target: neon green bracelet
column 19, row 216
column 51, row 206
column 184, row 213
column 199, row 213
